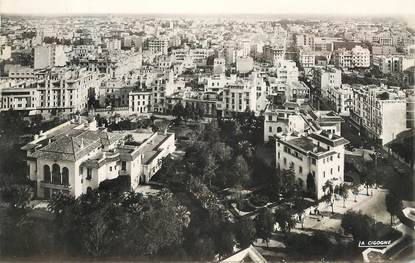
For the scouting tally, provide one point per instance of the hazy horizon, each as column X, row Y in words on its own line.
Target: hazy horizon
column 212, row 7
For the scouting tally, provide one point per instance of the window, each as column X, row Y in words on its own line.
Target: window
column 338, row 168
column 331, row 158
column 279, row 155
column 324, row 174
column 56, row 174
column 331, row 170
column 285, row 161
column 313, row 161
column 300, row 169
column 46, row 173
column 338, row 155
column 88, row 173
column 110, row 168
column 65, row 176
column 270, row 128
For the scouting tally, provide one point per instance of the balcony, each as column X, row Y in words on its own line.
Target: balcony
column 54, row 186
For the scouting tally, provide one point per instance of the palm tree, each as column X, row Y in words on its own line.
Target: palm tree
column 343, row 191
column 329, row 190
column 393, row 205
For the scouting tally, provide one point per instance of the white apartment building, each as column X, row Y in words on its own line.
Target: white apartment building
column 343, row 58
column 319, row 156
column 216, row 83
column 360, row 57
column 49, row 56
column 5, row 52
column 326, row 79
column 76, row 157
column 307, row 59
column 287, row 71
column 139, row 102
column 341, row 99
column 219, row 66
column 393, row 63
column 158, row 46
column 305, row 41
column 379, row 112
column 65, row 93
column 239, row 97
column 277, row 120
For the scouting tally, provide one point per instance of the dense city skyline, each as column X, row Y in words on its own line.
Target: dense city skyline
column 354, row 7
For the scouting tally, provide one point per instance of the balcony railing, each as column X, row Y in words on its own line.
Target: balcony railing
column 55, row 186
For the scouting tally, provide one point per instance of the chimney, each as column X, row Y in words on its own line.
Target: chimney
column 315, row 149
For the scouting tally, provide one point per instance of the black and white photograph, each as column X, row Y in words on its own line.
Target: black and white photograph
column 229, row 131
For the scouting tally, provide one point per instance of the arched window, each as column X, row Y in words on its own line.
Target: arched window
column 46, row 173
column 65, row 176
column 279, row 129
column 56, row 174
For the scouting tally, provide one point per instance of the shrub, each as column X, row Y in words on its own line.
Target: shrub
column 259, row 200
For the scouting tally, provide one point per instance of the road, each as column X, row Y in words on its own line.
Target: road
column 373, row 206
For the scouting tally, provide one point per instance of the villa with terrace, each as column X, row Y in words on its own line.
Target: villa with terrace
column 76, row 156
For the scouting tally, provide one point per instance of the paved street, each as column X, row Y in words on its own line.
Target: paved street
column 373, row 206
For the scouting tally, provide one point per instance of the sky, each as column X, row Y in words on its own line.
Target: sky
column 332, row 7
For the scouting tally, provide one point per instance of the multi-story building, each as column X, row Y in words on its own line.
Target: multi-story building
column 158, row 46
column 77, row 156
column 410, row 109
column 315, row 159
column 139, row 101
column 219, row 66
column 307, row 59
column 67, row 92
column 277, row 120
column 287, row 71
column 305, row 41
column 341, row 99
column 238, row 97
column 326, row 79
column 360, row 57
column 297, row 91
column 393, row 63
column 274, row 54
column 216, row 83
column 379, row 112
column 49, row 56
column 343, row 58
column 5, row 52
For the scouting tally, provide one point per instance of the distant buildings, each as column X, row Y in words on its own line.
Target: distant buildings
column 158, row 46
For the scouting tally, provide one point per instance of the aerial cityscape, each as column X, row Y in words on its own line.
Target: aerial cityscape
column 134, row 133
